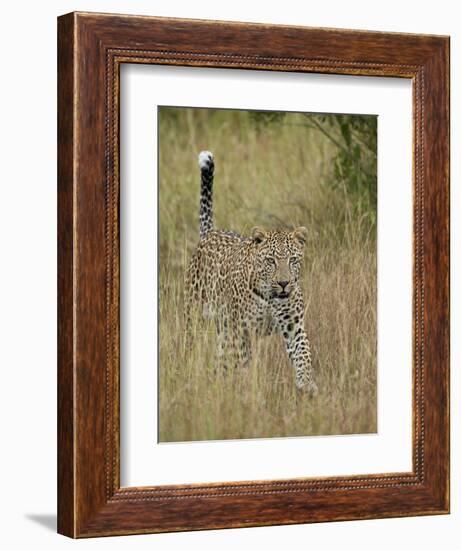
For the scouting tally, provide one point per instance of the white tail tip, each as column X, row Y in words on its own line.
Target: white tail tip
column 205, row 158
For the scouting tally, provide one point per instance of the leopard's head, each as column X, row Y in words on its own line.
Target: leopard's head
column 277, row 260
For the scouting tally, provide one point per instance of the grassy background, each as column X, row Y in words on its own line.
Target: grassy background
column 272, row 172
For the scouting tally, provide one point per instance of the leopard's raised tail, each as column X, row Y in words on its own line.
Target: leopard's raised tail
column 206, row 164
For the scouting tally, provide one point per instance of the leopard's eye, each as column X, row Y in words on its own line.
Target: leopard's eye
column 270, row 261
column 294, row 260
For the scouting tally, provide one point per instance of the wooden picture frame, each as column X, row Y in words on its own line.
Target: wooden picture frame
column 91, row 48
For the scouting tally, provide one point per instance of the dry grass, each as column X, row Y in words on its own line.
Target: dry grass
column 270, row 176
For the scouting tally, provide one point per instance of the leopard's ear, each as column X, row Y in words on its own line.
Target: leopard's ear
column 300, row 234
column 258, row 235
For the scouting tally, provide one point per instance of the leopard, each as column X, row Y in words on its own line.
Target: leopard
column 249, row 285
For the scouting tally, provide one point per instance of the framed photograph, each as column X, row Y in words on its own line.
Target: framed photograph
column 253, row 322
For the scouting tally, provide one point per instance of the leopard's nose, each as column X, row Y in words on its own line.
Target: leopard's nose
column 283, row 284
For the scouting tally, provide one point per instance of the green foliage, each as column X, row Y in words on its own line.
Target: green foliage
column 355, row 160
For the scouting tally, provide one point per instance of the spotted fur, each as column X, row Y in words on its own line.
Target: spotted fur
column 249, row 284
column 206, row 164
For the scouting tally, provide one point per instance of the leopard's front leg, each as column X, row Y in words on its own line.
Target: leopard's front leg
column 290, row 321
column 298, row 349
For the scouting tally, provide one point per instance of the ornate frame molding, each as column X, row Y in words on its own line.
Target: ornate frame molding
column 91, row 49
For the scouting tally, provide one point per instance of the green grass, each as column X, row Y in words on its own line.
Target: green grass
column 276, row 174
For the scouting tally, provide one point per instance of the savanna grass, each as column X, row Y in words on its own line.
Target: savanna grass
column 272, row 175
